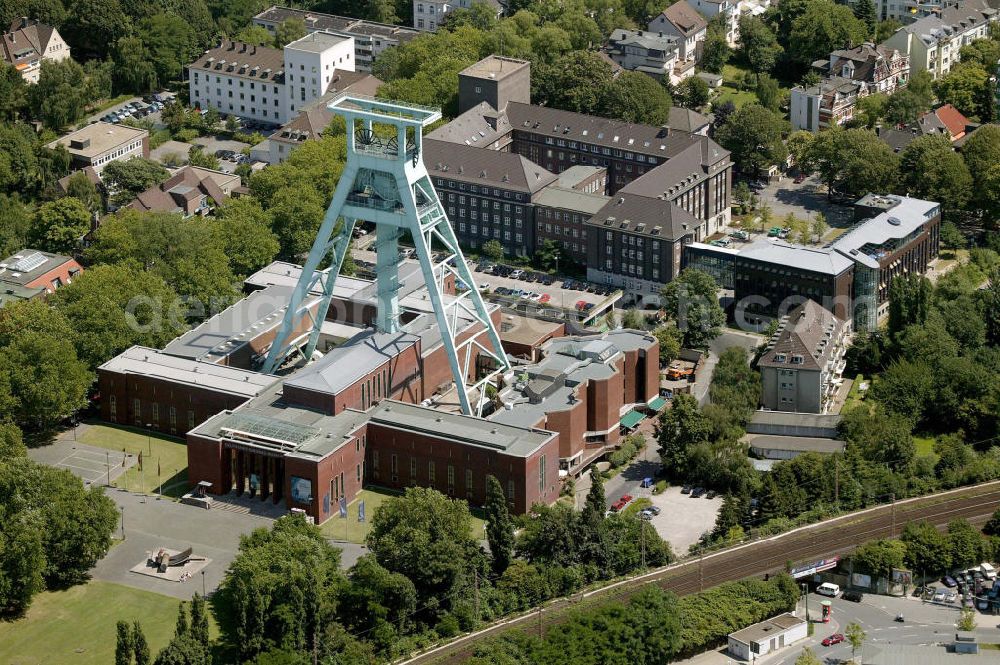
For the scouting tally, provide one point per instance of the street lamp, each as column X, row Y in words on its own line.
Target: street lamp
column 123, row 522
column 149, row 440
column 203, row 584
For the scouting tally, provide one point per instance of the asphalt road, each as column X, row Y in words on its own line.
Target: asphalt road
column 837, row 536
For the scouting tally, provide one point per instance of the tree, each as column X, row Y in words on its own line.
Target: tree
column 548, row 254
column 81, row 188
column 595, row 504
column 133, row 65
column 768, row 93
column 279, row 590
column 255, row 34
column 119, row 306
column 576, row 82
column 680, row 428
column 189, row 256
column 872, row 108
column 377, row 603
column 93, row 26
column 951, row 237
column 909, row 302
column 932, row 170
column 58, row 98
column 879, row 557
column 992, row 527
column 126, row 179
column 184, row 650
column 39, row 369
column 881, row 436
column 886, row 29
column 926, row 549
column 715, row 50
column 124, row 649
column 427, row 537
column 493, row 250
column 967, row 87
column 206, row 160
column 854, row 161
column 967, row 619
column 633, row 319
column 171, row 43
column 864, row 11
column 288, row 31
column 297, row 215
column 140, row 648
column 691, row 300
column 758, row 45
column 823, row 27
column 181, row 627
column 635, row 97
column 856, row 635
column 59, row 225
column 245, row 231
column 669, row 338
column 13, row 93
column 807, row 657
column 966, row 543
column 693, row 92
column 499, row 526
column 753, row 134
column 982, row 155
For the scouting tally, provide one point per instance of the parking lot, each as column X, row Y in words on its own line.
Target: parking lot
column 554, row 294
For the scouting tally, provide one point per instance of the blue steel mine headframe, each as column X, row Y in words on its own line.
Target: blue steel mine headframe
column 385, row 182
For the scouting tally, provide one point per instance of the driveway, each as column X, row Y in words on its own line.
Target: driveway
column 728, row 338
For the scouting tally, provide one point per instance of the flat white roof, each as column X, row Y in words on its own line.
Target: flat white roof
column 144, row 361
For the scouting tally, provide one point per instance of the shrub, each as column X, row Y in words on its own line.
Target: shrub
column 661, row 486
column 186, row 135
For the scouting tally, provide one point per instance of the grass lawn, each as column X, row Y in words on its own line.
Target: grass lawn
column 924, row 444
column 353, row 531
column 169, row 454
column 77, row 626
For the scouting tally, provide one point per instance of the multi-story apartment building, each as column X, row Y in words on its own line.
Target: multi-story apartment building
column 684, row 22
column 101, row 142
column 850, row 277
column 933, row 42
column 635, row 243
column 430, row 14
column 801, row 369
column 370, row 38
column 851, row 74
column 652, row 53
column 729, row 9
column 27, row 43
column 488, row 194
column 267, row 84
column 563, row 208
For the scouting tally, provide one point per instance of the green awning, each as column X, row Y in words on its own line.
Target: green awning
column 657, row 404
column 631, row 419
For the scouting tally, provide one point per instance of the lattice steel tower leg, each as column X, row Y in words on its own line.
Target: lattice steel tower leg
column 385, row 182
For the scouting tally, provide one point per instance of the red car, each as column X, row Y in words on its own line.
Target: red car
column 580, row 304
column 621, row 503
column 836, row 638
column 545, row 298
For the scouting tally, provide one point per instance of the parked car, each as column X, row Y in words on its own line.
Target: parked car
column 545, row 298
column 853, row 596
column 836, row 638
column 949, row 581
column 620, row 504
column 517, row 274
column 711, row 494
column 697, row 492
column 740, row 235
column 774, row 232
column 654, row 510
column 686, row 489
column 940, row 596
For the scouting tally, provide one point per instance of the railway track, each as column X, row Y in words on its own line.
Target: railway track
column 836, row 536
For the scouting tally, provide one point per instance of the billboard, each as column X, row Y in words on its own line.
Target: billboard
column 301, row 490
column 808, row 569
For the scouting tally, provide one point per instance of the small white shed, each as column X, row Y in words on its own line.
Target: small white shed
column 767, row 636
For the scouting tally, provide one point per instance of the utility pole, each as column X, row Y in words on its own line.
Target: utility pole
column 701, row 572
column 836, row 484
column 107, row 464
column 892, row 533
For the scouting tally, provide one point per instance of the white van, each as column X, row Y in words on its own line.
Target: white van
column 989, row 572
column 828, row 589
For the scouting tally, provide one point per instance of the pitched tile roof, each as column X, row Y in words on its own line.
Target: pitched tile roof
column 25, row 40
column 639, row 214
column 186, row 184
column 952, row 119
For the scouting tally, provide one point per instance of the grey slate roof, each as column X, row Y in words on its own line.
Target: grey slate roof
column 901, row 220
column 646, row 39
column 480, row 126
column 331, row 22
column 686, row 120
column 685, row 18
column 262, row 63
column 505, row 170
column 806, row 332
column 649, row 216
column 682, row 171
column 819, row 260
column 345, row 364
column 570, row 199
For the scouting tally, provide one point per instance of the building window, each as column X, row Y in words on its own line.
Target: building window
column 190, row 419
column 510, row 490
column 113, row 406
column 137, row 411
column 541, row 474
column 394, row 467
column 358, row 469
column 468, row 483
column 413, row 470
column 451, row 479
column 375, row 464
column 430, row 473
